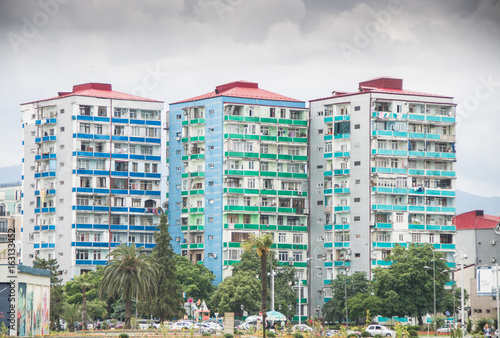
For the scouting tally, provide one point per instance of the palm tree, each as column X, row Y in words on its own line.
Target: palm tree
column 262, row 245
column 129, row 272
column 85, row 283
column 70, row 315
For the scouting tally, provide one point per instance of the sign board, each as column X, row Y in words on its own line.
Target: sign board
column 485, row 281
column 229, row 322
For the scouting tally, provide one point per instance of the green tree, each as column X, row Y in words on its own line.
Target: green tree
column 130, row 273
column 361, row 303
column 56, row 289
column 407, row 283
column 195, row 279
column 97, row 309
column 71, row 314
column 285, row 278
column 84, row 282
column 262, row 244
column 355, row 284
column 240, row 289
column 166, row 304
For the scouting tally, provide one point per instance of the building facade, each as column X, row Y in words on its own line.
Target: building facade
column 382, row 172
column 91, row 175
column 10, row 222
column 238, row 166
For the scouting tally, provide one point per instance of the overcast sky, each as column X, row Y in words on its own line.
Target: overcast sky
column 175, row 49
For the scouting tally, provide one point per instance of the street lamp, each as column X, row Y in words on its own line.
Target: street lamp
column 346, row 310
column 279, row 307
column 289, row 309
column 434, row 282
column 461, row 257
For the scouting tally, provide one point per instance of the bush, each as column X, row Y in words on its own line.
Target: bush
column 412, row 333
column 123, row 335
column 298, row 335
column 206, row 334
column 227, row 335
column 353, row 335
column 378, row 335
column 365, row 334
column 270, row 334
column 414, row 327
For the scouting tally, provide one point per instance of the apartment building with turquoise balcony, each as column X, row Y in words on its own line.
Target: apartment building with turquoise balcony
column 91, row 175
column 238, row 166
column 382, row 173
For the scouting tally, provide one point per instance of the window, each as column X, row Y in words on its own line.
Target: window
column 431, row 238
column 121, row 166
column 85, row 128
column 298, row 238
column 211, row 165
column 102, row 111
column 297, row 256
column 357, row 199
column 357, row 126
column 210, row 183
column 178, row 117
column 320, row 131
column 357, row 218
column 98, row 129
column 416, row 238
column 282, row 237
column 357, row 108
column 283, row 256
column 357, row 181
column 357, row 163
column 82, row 254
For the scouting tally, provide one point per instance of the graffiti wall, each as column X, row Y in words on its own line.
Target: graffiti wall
column 33, row 309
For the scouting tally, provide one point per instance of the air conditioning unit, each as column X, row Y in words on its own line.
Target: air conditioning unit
column 306, row 211
column 178, row 138
column 492, row 242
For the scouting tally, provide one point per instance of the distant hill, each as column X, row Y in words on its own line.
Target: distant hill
column 467, row 202
column 11, row 174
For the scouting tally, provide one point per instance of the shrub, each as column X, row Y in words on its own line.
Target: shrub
column 270, row 334
column 227, row 335
column 378, row 335
column 365, row 334
column 414, row 327
column 353, row 335
column 123, row 335
column 412, row 333
column 298, row 335
column 206, row 334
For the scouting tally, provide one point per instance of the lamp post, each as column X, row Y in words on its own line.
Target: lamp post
column 242, row 307
column 300, row 310
column 434, row 282
column 346, row 310
column 289, row 309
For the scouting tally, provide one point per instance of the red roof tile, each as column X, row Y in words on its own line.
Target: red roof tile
column 475, row 220
column 99, row 90
column 243, row 89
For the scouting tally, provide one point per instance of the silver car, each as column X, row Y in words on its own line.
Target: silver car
column 381, row 330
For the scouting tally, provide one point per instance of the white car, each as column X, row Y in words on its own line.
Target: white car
column 302, row 328
column 182, row 325
column 381, row 330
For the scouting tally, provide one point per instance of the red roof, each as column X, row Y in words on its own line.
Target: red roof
column 243, row 89
column 475, row 220
column 384, row 84
column 100, row 90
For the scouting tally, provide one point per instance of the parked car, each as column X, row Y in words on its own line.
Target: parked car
column 381, row 330
column 446, row 328
column 302, row 328
column 182, row 325
column 495, row 335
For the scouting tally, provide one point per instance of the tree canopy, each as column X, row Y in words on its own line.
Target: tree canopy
column 166, row 304
column 240, row 289
column 408, row 281
column 195, row 279
column 131, row 273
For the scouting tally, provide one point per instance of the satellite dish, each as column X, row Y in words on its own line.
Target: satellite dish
column 497, row 229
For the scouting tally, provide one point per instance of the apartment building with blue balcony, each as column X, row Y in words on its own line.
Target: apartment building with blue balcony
column 91, row 175
column 382, row 173
column 237, row 160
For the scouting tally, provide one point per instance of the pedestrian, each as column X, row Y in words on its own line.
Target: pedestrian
column 487, row 331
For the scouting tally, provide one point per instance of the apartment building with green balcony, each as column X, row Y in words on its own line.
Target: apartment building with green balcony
column 238, row 165
column 382, row 173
